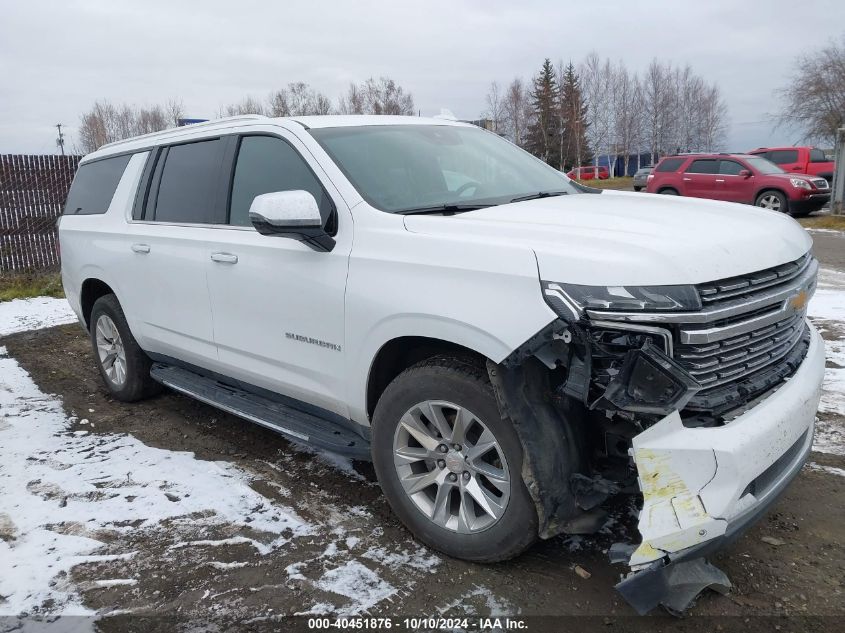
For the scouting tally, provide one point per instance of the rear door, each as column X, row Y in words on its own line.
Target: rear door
column 176, row 219
column 278, row 304
column 732, row 187
column 699, row 178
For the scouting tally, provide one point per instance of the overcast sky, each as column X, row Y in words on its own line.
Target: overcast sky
column 57, row 58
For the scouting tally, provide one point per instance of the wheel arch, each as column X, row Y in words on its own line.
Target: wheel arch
column 668, row 188
column 91, row 290
column 399, row 353
column 763, row 190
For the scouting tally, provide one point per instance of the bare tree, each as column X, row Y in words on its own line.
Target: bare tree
column 517, row 111
column 352, row 102
column 385, row 96
column 597, row 80
column 249, row 105
column 106, row 122
column 814, row 100
column 713, row 119
column 495, row 107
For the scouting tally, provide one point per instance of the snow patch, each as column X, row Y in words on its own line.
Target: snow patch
column 831, row 470
column 20, row 315
column 59, row 490
column 357, row 582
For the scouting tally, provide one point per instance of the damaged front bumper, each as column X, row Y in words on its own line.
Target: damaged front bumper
column 702, row 487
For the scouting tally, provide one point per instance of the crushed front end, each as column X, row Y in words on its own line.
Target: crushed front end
column 700, row 399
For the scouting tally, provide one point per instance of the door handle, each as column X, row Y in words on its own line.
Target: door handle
column 141, row 248
column 720, row 180
column 687, row 179
column 224, row 258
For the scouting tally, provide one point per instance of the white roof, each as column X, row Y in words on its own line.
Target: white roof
column 198, row 130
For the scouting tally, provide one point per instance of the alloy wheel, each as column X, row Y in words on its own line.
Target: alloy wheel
column 451, row 466
column 111, row 350
column 769, row 201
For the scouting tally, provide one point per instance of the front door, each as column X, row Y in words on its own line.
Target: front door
column 731, row 186
column 278, row 304
column 699, row 179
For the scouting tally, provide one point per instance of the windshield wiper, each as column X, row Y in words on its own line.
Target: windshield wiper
column 445, row 209
column 540, row 194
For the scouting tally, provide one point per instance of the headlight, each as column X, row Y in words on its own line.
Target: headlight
column 570, row 300
column 800, row 183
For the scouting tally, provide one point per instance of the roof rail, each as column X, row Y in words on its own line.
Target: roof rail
column 192, row 126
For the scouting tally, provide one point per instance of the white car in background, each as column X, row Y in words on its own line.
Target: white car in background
column 509, row 348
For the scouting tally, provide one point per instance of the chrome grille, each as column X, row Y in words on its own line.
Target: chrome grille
column 747, row 324
column 715, row 292
column 714, row 364
column 820, row 183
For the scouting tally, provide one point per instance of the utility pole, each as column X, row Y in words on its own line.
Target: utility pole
column 61, row 140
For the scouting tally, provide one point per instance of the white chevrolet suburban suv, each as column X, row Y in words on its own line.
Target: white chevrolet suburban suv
column 509, row 348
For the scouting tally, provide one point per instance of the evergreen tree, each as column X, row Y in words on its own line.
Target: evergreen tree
column 574, row 148
column 543, row 132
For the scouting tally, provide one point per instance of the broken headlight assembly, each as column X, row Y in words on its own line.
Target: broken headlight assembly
column 570, row 300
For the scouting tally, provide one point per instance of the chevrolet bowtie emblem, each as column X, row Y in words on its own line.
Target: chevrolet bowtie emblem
column 799, row 301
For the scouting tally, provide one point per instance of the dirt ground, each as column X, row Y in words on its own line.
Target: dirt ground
column 797, row 585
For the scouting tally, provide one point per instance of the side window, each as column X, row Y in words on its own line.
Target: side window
column 703, row 166
column 817, row 156
column 94, row 186
column 188, row 188
column 730, row 167
column 783, row 156
column 670, row 164
column 266, row 164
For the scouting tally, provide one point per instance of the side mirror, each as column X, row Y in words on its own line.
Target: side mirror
column 290, row 214
column 745, row 173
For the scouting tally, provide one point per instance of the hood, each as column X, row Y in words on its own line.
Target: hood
column 619, row 238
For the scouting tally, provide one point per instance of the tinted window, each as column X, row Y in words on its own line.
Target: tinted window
column 94, row 185
column 703, row 166
column 817, row 156
column 266, row 164
column 763, row 166
column 782, row 156
column 730, row 167
column 188, row 183
column 670, row 164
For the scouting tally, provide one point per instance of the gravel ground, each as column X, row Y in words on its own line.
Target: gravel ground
column 171, row 508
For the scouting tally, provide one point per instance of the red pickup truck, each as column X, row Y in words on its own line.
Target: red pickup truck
column 798, row 160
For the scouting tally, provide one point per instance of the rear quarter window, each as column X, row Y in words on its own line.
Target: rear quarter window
column 669, row 164
column 94, row 185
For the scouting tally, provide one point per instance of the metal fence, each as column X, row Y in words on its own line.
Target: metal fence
column 33, row 190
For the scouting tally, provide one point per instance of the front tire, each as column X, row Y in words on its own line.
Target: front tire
column 123, row 365
column 450, row 465
column 772, row 200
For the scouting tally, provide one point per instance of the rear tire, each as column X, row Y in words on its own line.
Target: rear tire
column 668, row 191
column 448, row 403
column 123, row 365
column 772, row 200
column 636, row 188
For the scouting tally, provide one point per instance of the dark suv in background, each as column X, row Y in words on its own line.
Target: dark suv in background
column 739, row 178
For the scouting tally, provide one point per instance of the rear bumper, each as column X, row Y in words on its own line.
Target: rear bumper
column 703, row 486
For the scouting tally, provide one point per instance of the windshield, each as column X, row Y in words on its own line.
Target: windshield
column 763, row 166
column 401, row 168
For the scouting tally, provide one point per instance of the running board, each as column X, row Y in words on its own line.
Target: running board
column 299, row 426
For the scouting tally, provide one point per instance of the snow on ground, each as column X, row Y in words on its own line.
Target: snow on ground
column 20, row 315
column 827, row 311
column 59, row 488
